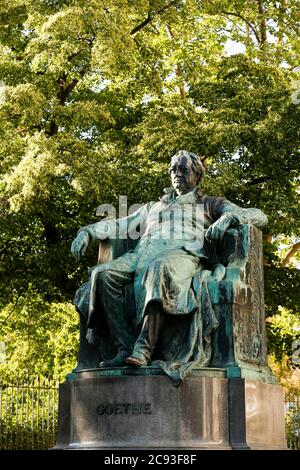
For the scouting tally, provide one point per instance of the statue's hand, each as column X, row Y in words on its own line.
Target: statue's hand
column 80, row 245
column 217, row 230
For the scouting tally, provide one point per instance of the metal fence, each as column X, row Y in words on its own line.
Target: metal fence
column 292, row 419
column 28, row 415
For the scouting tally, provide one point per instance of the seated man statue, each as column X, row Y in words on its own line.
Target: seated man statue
column 172, row 322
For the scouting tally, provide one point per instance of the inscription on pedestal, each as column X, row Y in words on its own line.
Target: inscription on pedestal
column 107, row 409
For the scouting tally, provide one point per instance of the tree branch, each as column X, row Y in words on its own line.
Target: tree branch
column 11, row 312
column 290, row 254
column 281, row 26
column 53, row 129
column 65, row 91
column 142, row 25
column 262, row 179
column 228, row 13
column 178, row 69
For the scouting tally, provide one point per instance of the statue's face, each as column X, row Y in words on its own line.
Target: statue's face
column 183, row 176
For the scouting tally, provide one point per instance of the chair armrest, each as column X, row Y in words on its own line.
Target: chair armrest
column 233, row 251
column 242, row 249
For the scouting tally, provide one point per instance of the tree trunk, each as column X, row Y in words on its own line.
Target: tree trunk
column 281, row 14
column 262, row 23
column 178, row 70
column 290, row 254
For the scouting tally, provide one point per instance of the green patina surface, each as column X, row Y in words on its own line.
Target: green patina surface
column 144, row 371
column 209, row 294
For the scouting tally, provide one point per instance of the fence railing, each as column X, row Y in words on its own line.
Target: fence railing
column 292, row 419
column 28, row 415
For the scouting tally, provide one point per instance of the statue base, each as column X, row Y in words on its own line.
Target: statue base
column 128, row 410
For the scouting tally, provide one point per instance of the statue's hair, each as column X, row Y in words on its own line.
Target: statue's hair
column 196, row 162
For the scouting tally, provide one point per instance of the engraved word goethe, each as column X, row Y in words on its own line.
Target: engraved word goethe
column 108, row 409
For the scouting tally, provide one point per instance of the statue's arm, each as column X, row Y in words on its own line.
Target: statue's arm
column 115, row 228
column 111, row 228
column 230, row 215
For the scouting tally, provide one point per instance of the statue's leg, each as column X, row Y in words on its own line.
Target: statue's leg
column 88, row 354
column 162, row 288
column 148, row 337
column 111, row 285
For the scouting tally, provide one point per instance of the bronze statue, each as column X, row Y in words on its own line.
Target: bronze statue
column 169, row 322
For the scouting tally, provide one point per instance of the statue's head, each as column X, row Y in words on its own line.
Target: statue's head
column 186, row 171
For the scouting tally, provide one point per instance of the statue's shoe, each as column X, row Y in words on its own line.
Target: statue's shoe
column 117, row 361
column 137, row 361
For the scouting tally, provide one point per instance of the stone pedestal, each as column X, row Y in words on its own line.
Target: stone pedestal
column 208, row 411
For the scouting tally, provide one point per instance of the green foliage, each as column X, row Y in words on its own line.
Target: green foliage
column 40, row 338
column 95, row 99
column 282, row 286
column 283, row 329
